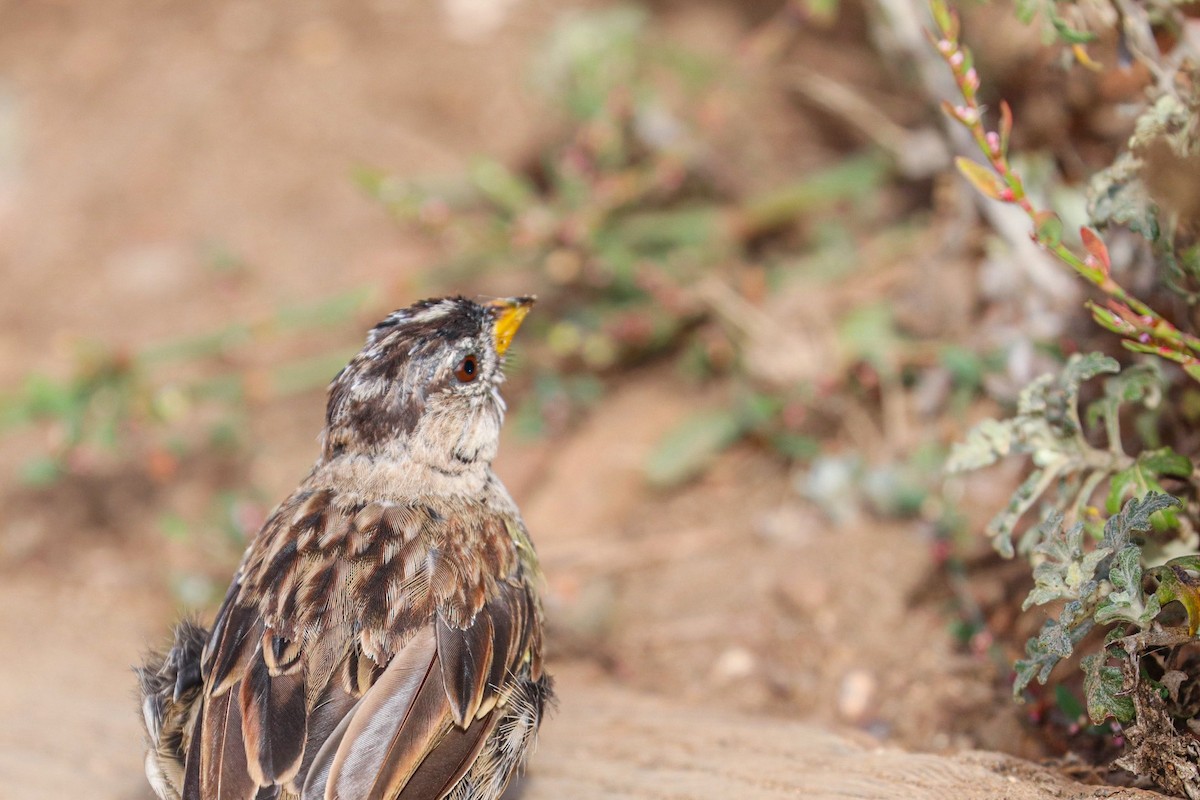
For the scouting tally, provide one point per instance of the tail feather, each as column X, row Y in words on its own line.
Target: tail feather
column 169, row 683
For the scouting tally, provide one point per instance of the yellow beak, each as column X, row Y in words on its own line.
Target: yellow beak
column 510, row 313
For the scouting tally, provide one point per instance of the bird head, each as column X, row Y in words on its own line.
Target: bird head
column 425, row 385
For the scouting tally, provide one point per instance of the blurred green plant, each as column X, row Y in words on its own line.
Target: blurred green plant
column 137, row 409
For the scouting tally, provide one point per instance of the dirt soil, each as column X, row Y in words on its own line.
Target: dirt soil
column 137, row 138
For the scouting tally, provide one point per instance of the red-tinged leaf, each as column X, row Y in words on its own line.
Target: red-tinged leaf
column 1006, row 123
column 980, row 177
column 1096, row 248
column 1124, row 312
column 1191, row 562
column 1149, row 348
column 1158, row 350
column 1109, row 320
column 1175, row 585
column 1048, row 228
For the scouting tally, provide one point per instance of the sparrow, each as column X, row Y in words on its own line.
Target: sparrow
column 382, row 636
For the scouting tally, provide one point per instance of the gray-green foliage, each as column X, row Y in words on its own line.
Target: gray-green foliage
column 1093, row 573
column 1057, row 26
column 1100, row 582
column 1120, row 196
column 1068, row 468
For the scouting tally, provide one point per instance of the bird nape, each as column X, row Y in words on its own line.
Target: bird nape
column 382, row 637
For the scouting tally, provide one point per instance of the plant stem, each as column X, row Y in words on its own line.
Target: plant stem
column 1142, row 328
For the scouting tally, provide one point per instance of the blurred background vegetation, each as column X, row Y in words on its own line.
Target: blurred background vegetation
column 769, row 306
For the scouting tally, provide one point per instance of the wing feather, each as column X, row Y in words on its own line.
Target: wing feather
column 466, row 659
column 331, row 710
column 446, row 765
column 274, row 722
column 370, row 664
column 223, row 771
column 397, row 724
column 236, row 633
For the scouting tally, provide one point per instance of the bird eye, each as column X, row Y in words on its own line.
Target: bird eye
column 467, row 369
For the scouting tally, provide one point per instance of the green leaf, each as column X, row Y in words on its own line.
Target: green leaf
column 979, row 176
column 986, row 443
column 1127, row 601
column 1134, row 518
column 685, row 451
column 41, row 471
column 1067, row 33
column 966, row 367
column 1109, row 321
column 1055, row 642
column 759, row 409
column 1104, row 688
column 1140, row 383
column 45, row 397
column 1067, row 572
column 868, row 333
column 1141, row 479
column 943, row 17
column 505, row 189
column 1191, row 563
column 1048, row 228
column 1068, row 703
column 1174, row 585
column 1165, row 461
column 1112, row 637
column 1002, row 525
column 1084, row 367
column 1026, row 10
column 1117, row 196
column 1037, row 664
column 795, row 446
column 1120, row 487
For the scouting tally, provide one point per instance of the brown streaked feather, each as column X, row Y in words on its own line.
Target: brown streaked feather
column 449, row 761
column 466, row 659
column 295, row 681
column 223, row 771
column 331, row 710
column 394, row 727
column 190, row 790
column 317, row 780
column 359, row 672
column 279, row 652
column 274, row 723
column 504, row 649
column 238, row 631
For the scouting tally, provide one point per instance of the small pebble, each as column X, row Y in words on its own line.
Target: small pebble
column 734, row 664
column 856, row 694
